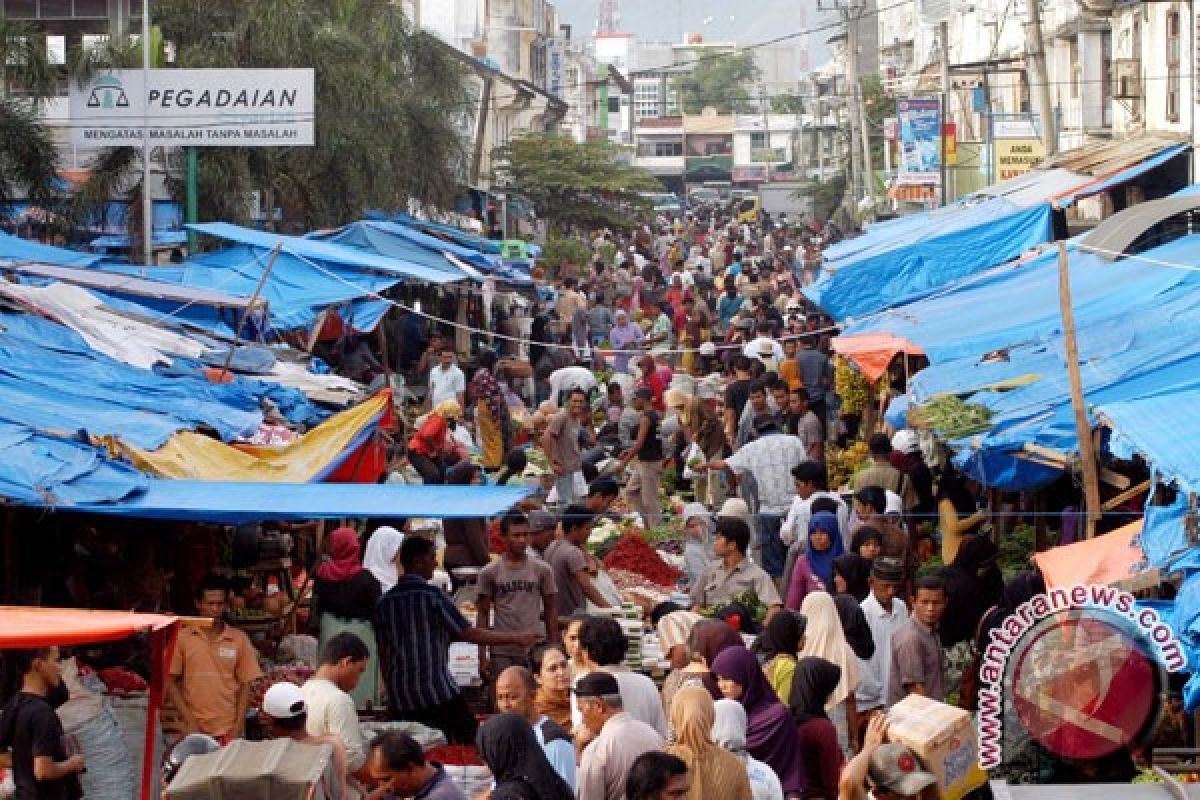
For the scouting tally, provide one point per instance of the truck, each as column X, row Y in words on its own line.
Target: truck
column 793, row 198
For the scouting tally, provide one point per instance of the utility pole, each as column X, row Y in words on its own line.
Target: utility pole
column 1039, row 77
column 147, row 198
column 858, row 114
column 944, row 57
column 762, row 100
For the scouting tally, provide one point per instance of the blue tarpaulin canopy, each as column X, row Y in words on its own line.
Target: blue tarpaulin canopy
column 235, row 503
column 14, row 248
column 405, row 243
column 48, row 471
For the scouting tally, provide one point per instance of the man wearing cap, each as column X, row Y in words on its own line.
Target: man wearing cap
column 893, row 770
column 542, row 529
column 611, row 738
column 763, row 346
column 287, row 718
column 647, row 449
column 885, row 614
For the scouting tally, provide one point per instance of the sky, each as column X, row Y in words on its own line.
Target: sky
column 741, row 21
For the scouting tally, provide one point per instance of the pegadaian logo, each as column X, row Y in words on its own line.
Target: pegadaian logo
column 108, row 93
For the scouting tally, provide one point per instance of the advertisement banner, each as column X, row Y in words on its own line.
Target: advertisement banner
column 1015, row 157
column 194, row 107
column 768, row 155
column 555, row 65
column 920, row 120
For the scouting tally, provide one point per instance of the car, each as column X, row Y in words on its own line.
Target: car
column 704, row 196
column 664, row 203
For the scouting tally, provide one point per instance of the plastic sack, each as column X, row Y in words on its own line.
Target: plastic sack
column 109, row 774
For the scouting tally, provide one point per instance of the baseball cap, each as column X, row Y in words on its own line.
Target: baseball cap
column 895, row 768
column 708, row 349
column 597, row 684
column 284, row 701
column 542, row 521
column 887, row 568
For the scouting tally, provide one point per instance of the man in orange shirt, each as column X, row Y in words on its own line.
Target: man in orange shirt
column 212, row 669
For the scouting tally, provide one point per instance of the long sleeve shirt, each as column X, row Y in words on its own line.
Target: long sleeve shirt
column 608, row 758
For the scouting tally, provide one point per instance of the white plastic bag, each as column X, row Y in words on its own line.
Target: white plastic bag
column 693, row 455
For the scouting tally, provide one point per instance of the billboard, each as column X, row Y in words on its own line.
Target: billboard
column 1015, row 157
column 194, row 107
column 920, row 123
column 555, row 65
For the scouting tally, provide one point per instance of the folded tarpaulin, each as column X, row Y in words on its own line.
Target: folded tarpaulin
column 1105, row 559
column 14, row 248
column 240, row 502
column 49, row 471
column 920, row 261
column 311, row 457
column 873, row 352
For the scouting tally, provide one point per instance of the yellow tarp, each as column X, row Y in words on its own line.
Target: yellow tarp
column 193, row 456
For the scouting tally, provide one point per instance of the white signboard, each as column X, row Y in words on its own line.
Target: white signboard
column 195, row 107
column 934, row 12
column 555, row 65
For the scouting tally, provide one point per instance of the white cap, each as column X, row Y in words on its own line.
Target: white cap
column 905, row 441
column 894, row 504
column 284, row 701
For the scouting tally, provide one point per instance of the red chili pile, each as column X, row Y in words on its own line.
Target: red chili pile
column 455, row 755
column 633, row 554
column 122, row 681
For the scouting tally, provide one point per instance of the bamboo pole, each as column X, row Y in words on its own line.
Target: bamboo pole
column 237, row 335
column 1087, row 449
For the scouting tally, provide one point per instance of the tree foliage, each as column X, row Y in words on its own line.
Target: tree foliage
column 28, row 157
column 570, row 183
column 721, row 82
column 392, row 108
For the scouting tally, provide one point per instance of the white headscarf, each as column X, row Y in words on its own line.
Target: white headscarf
column 824, row 638
column 380, row 558
column 729, row 725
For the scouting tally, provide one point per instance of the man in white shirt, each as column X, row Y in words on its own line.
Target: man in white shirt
column 885, row 615
column 446, row 381
column 331, row 710
column 810, row 482
column 515, row 691
column 610, row 736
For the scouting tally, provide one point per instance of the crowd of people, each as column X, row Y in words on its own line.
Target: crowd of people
column 685, row 343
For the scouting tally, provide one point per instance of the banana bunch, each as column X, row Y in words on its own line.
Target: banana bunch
column 843, row 463
column 851, row 386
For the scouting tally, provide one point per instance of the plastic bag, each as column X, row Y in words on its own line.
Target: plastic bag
column 693, row 455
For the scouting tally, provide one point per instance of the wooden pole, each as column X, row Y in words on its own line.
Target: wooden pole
column 237, row 335
column 1087, row 449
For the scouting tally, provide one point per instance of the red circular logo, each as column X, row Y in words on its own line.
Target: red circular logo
column 906, row 763
column 1083, row 687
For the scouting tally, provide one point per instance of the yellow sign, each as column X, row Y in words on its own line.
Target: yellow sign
column 1017, row 156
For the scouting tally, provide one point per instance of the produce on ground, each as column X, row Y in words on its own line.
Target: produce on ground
column 633, row 554
column 455, row 755
column 638, row 586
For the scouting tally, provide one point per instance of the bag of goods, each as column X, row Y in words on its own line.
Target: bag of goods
column 943, row 738
column 109, row 774
column 464, row 766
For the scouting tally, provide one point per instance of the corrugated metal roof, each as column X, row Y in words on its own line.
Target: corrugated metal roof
column 1112, row 236
column 1037, row 186
column 1106, row 158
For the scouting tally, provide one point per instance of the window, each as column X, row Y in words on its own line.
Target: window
column 660, row 149
column 56, row 49
column 758, row 140
column 20, row 9
column 1173, row 66
column 614, row 104
column 56, row 9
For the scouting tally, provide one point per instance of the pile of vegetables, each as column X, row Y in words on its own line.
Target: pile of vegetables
column 748, row 599
column 851, row 386
column 633, row 554
column 951, row 417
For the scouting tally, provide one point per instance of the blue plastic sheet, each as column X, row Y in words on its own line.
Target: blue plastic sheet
column 48, row 471
column 919, row 261
column 405, row 243
column 18, row 249
column 235, row 503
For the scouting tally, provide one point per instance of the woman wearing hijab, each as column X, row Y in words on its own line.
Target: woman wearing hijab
column 466, row 539
column 867, row 542
column 729, row 731
column 518, row 763
column 492, row 418
column 708, row 639
column 552, row 670
column 850, row 576
column 824, row 638
column 1021, row 589
column 383, row 556
column 674, row 630
column 815, row 680
column 824, row 545
column 973, row 585
column 780, row 643
column 770, row 732
column 714, row 772
column 698, row 525
column 345, row 595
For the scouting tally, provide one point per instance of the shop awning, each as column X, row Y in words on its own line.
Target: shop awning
column 233, row 503
column 873, row 352
column 23, row 627
column 14, row 248
column 1105, row 559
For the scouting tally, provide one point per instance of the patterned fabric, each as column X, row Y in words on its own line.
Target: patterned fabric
column 486, row 389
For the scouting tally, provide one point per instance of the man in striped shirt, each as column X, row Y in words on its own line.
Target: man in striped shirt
column 415, row 623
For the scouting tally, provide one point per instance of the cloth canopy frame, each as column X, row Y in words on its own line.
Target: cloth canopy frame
column 25, row 627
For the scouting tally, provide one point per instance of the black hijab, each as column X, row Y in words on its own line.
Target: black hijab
column 813, row 682
column 855, row 570
column 864, row 534
column 968, row 594
column 1022, row 588
column 517, row 761
column 854, row 626
column 782, row 636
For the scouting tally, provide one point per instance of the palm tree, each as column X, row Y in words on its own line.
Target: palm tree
column 28, row 156
column 390, row 106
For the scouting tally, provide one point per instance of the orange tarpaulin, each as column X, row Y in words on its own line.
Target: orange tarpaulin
column 25, row 627
column 873, row 352
column 1104, row 559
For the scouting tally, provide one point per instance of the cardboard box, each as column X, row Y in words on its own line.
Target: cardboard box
column 943, row 738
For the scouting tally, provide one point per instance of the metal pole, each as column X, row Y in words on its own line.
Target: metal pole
column 858, row 112
column 944, row 53
column 1039, row 77
column 147, row 200
column 193, row 200
column 237, row 335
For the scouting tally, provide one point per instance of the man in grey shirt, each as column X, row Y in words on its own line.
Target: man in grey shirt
column 917, row 661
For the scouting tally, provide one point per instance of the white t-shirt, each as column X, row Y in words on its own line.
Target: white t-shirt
column 445, row 384
column 567, row 378
column 795, row 524
column 331, row 712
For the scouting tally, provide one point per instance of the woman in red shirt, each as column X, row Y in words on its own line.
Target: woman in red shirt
column 433, row 441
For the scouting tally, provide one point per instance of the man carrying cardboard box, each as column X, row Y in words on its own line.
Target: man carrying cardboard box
column 892, row 769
